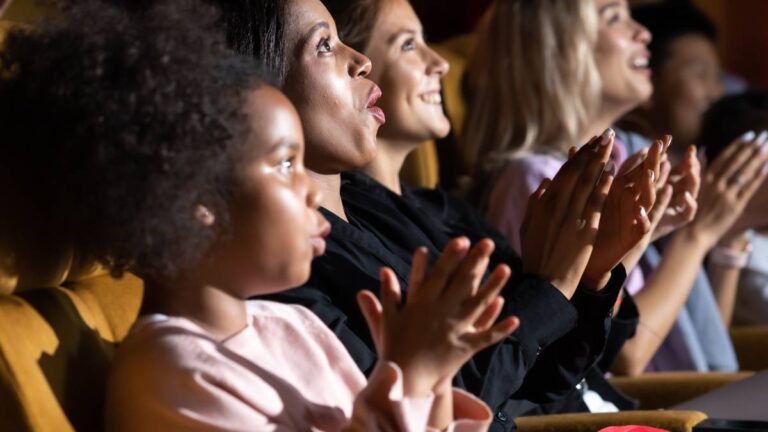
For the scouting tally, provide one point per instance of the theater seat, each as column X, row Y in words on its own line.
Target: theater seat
column 56, row 344
column 660, row 390
column 751, row 345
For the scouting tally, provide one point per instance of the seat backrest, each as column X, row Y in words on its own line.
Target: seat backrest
column 56, row 345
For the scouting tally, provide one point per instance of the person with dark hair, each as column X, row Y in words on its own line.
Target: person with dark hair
column 323, row 77
column 165, row 154
column 726, row 120
column 686, row 72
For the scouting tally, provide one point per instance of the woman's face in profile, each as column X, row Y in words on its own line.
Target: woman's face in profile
column 409, row 74
column 622, row 55
column 327, row 82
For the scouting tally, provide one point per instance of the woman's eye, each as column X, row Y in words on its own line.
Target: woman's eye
column 324, row 46
column 286, row 167
column 613, row 19
column 408, row 45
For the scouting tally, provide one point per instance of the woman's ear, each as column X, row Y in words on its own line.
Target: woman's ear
column 204, row 215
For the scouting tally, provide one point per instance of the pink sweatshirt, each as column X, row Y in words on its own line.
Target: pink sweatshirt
column 284, row 371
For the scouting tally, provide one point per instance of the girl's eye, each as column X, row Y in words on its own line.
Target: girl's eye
column 324, row 46
column 408, row 45
column 613, row 19
column 286, row 167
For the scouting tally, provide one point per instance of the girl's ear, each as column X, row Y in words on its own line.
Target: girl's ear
column 204, row 215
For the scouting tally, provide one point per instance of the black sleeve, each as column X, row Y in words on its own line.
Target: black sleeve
column 623, row 328
column 565, row 362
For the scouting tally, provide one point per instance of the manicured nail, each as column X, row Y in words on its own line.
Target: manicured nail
column 581, row 223
column 748, row 136
column 643, row 213
column 606, row 136
column 668, row 143
column 609, row 167
column 760, row 140
column 688, row 195
column 652, row 176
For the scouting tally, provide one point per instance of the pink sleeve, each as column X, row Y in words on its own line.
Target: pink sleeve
column 156, row 393
column 382, row 401
column 509, row 196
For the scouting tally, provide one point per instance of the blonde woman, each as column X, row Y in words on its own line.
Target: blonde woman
column 547, row 75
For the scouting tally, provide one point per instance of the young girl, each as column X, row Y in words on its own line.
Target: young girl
column 327, row 81
column 173, row 160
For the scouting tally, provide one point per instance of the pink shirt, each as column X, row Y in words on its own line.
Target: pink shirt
column 284, row 371
column 520, row 177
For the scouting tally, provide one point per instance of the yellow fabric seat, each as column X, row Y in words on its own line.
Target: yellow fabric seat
column 56, row 345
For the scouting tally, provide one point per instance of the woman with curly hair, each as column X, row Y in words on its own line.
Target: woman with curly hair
column 166, row 155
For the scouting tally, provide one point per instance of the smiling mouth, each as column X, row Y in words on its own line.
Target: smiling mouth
column 432, row 98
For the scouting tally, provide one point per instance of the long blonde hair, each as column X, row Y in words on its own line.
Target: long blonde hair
column 532, row 80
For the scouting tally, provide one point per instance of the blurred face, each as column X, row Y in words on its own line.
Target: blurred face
column 327, row 83
column 409, row 74
column 687, row 83
column 622, row 56
column 276, row 227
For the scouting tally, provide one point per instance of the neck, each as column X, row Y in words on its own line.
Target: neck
column 605, row 118
column 217, row 312
column 329, row 186
column 388, row 162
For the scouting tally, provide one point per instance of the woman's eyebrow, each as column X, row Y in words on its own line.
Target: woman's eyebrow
column 609, row 6
column 403, row 31
column 312, row 30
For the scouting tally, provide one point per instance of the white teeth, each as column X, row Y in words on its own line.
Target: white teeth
column 640, row 62
column 432, row 98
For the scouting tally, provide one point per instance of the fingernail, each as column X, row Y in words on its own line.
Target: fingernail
column 643, row 213
column 609, row 167
column 748, row 136
column 581, row 223
column 688, row 195
column 606, row 136
column 652, row 176
column 760, row 140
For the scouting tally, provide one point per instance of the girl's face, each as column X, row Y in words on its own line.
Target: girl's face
column 276, row 227
column 409, row 74
column 622, row 55
column 327, row 82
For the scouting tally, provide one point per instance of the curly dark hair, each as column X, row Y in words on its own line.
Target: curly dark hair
column 116, row 125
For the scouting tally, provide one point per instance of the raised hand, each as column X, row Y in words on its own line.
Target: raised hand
column 685, row 180
column 563, row 216
column 448, row 316
column 626, row 222
column 728, row 184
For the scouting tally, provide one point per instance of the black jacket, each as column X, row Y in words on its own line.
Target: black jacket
column 557, row 342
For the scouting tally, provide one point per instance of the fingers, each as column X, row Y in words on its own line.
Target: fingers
column 594, row 207
column 466, row 280
column 390, row 294
column 730, row 160
column 373, row 314
column 418, row 273
column 660, row 206
column 753, row 185
column 488, row 293
column 493, row 335
column 452, row 256
column 586, row 185
column 647, row 190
